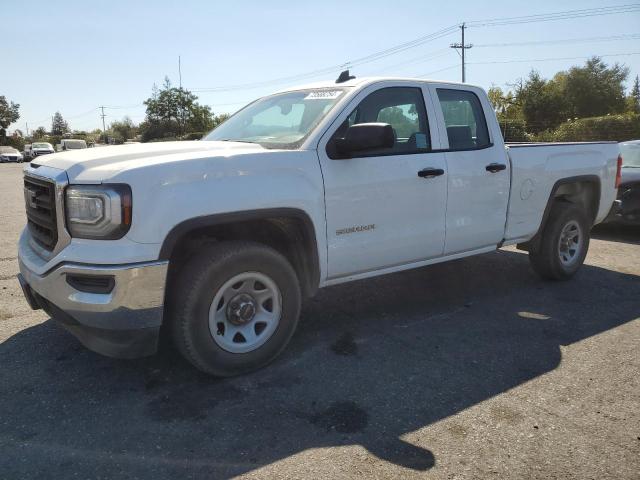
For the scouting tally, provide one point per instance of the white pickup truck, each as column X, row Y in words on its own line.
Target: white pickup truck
column 219, row 240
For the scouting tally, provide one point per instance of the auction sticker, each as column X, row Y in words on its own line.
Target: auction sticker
column 323, row 95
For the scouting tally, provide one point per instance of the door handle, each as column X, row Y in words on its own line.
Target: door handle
column 495, row 167
column 430, row 172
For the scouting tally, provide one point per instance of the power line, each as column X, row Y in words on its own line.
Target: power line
column 551, row 58
column 119, row 107
column 421, row 58
column 438, row 71
column 82, row 114
column 563, row 15
column 349, row 64
column 567, row 14
column 632, row 36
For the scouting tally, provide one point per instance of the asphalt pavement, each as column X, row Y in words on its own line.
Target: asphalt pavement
column 470, row 369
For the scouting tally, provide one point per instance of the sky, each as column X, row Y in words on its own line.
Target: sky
column 73, row 56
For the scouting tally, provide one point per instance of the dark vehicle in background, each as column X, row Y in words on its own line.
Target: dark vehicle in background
column 71, row 144
column 626, row 209
column 10, row 154
column 41, row 148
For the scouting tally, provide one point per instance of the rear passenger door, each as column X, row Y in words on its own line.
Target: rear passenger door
column 478, row 170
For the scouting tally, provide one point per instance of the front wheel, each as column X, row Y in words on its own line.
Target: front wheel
column 235, row 307
column 564, row 243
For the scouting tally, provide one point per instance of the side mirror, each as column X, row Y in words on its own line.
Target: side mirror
column 366, row 136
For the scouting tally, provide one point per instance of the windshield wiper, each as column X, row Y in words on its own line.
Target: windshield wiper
column 232, row 140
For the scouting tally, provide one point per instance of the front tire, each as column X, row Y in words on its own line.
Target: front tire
column 235, row 307
column 564, row 243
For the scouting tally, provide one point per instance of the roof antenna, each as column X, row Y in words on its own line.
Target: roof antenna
column 345, row 77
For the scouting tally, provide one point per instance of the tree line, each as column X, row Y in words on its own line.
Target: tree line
column 172, row 113
column 586, row 102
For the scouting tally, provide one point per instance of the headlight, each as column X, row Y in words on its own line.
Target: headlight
column 98, row 211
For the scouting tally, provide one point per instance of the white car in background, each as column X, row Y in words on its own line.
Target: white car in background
column 10, row 154
column 41, row 148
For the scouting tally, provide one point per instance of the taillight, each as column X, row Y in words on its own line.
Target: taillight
column 619, row 172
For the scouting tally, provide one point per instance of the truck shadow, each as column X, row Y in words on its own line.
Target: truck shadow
column 372, row 361
column 617, row 233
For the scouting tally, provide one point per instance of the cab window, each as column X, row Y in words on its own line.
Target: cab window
column 402, row 108
column 464, row 119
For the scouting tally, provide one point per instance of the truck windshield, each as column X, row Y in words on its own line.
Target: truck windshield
column 630, row 154
column 279, row 121
column 41, row 145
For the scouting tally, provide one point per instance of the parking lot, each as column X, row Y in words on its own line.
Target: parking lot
column 473, row 368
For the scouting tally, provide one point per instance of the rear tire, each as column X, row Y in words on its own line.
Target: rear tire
column 564, row 243
column 257, row 304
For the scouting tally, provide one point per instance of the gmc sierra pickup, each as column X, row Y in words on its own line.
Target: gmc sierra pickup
column 219, row 240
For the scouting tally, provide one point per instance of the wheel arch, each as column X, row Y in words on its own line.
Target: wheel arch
column 288, row 230
column 584, row 190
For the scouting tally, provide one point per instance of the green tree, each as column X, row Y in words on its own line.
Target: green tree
column 218, row 119
column 123, row 130
column 201, row 119
column 497, row 98
column 39, row 132
column 403, row 125
column 9, row 113
column 59, row 125
column 508, row 113
column 542, row 103
column 595, row 89
column 633, row 101
column 173, row 112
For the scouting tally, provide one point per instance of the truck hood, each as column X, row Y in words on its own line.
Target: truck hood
column 94, row 165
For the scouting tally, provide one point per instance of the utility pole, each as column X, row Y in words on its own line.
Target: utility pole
column 180, row 71
column 462, row 46
column 104, row 129
column 27, row 125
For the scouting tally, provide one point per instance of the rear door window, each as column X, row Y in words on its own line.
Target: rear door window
column 464, row 119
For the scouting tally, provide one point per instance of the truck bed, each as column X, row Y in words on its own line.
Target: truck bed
column 538, row 169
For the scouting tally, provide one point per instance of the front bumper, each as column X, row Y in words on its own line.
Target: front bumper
column 123, row 322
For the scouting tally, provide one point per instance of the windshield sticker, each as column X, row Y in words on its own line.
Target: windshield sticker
column 323, row 95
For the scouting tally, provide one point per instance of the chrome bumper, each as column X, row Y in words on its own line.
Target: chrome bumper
column 124, row 322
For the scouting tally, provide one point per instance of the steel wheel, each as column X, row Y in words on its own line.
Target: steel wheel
column 570, row 243
column 245, row 312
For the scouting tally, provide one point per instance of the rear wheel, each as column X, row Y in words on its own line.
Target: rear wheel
column 564, row 243
column 235, row 308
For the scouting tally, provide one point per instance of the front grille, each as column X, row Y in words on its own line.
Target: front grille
column 40, row 202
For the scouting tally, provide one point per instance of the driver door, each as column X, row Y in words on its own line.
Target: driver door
column 381, row 211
